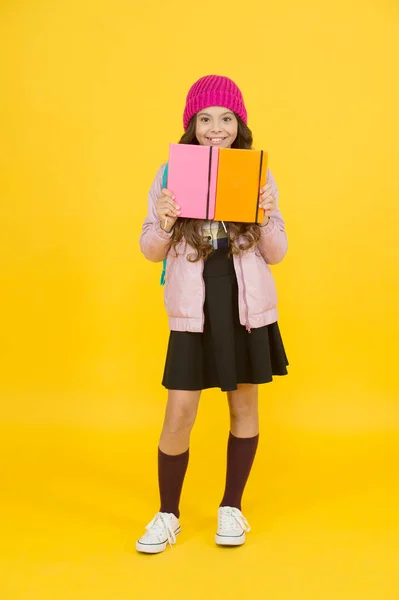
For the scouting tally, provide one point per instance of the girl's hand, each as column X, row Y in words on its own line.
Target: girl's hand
column 167, row 210
column 267, row 202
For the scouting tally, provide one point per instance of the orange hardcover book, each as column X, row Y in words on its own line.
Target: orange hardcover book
column 241, row 174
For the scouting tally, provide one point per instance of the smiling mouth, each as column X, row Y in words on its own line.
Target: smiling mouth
column 216, row 140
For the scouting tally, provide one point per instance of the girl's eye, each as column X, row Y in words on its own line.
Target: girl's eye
column 227, row 119
column 204, row 119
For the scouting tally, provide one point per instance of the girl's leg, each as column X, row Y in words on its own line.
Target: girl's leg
column 243, row 441
column 173, row 451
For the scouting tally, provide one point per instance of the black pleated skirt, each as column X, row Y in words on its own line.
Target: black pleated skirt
column 225, row 354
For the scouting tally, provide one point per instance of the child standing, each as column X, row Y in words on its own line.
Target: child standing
column 222, row 306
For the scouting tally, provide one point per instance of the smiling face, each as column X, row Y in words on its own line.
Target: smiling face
column 216, row 126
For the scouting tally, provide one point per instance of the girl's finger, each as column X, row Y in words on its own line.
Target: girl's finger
column 171, row 214
column 166, row 192
column 266, row 189
column 168, row 201
column 269, row 200
column 266, row 195
column 267, row 207
column 171, row 206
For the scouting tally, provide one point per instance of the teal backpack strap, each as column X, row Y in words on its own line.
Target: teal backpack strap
column 164, row 185
column 165, row 176
column 163, row 274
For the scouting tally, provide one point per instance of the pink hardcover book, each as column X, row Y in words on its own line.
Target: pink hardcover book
column 192, row 177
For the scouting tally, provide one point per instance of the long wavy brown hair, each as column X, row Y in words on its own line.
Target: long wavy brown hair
column 243, row 236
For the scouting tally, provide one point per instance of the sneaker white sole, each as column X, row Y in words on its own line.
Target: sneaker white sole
column 154, row 548
column 223, row 540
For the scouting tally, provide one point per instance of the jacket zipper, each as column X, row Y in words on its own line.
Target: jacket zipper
column 244, row 290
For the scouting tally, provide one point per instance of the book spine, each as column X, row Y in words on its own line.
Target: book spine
column 209, row 181
column 260, row 177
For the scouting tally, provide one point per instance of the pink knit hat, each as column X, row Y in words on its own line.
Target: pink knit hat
column 214, row 90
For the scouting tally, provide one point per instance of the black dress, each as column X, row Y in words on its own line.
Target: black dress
column 225, row 354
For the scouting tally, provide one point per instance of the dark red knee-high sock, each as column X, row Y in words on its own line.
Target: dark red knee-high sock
column 171, row 472
column 240, row 457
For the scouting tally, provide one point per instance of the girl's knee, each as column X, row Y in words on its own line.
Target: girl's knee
column 244, row 402
column 181, row 418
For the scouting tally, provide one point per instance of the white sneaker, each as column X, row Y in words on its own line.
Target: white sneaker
column 232, row 526
column 162, row 531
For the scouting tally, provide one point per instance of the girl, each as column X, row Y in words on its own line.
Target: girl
column 221, row 302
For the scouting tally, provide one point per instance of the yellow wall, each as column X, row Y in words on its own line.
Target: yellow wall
column 93, row 93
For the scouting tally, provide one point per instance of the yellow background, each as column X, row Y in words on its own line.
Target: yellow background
column 92, row 93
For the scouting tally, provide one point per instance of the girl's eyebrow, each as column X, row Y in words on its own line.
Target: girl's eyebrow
column 208, row 115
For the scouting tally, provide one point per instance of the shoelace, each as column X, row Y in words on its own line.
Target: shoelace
column 160, row 527
column 234, row 519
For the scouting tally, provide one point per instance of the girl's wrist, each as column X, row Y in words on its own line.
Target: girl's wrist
column 168, row 229
column 263, row 224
